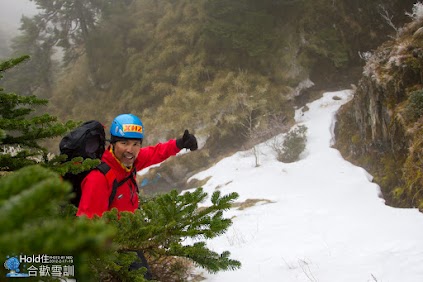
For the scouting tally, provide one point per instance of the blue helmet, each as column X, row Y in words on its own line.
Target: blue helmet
column 127, row 126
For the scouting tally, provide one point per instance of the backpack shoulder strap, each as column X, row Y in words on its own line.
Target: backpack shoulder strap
column 111, row 178
column 103, row 167
column 134, row 177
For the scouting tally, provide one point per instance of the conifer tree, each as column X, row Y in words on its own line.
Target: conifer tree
column 32, row 224
column 32, row 197
column 23, row 130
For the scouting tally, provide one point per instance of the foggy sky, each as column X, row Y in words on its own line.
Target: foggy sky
column 11, row 12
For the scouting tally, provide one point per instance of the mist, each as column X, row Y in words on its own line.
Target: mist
column 11, row 12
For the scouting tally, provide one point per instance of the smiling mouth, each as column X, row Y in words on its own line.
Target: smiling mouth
column 128, row 160
column 129, row 157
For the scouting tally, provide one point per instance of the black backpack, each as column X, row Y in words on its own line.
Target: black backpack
column 88, row 141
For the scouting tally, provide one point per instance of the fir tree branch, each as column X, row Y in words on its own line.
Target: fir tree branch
column 163, row 223
column 11, row 63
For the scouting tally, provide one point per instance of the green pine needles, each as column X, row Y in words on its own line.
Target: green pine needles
column 162, row 225
column 21, row 129
column 32, row 223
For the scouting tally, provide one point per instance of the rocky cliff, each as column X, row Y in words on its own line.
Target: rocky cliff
column 381, row 128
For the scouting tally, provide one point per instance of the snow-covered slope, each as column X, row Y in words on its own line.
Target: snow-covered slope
column 320, row 219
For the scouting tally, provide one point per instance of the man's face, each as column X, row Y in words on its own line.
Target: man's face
column 126, row 151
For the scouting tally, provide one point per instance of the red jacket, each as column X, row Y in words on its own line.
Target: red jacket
column 96, row 189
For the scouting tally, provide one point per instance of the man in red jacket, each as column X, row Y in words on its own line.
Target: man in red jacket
column 124, row 157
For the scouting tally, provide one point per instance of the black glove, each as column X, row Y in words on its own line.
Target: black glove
column 188, row 141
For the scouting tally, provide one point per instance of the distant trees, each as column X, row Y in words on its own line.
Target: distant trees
column 36, row 76
column 158, row 58
column 242, row 27
column 58, row 34
column 68, row 24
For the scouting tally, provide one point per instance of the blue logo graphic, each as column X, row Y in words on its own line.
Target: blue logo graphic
column 12, row 264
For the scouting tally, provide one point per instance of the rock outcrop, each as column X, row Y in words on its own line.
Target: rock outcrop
column 381, row 128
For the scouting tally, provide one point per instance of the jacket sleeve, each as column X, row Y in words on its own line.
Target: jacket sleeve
column 94, row 195
column 156, row 154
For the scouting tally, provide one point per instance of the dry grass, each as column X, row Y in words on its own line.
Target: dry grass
column 173, row 269
column 220, row 186
column 198, row 183
column 250, row 203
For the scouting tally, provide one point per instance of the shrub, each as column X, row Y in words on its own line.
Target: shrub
column 293, row 145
